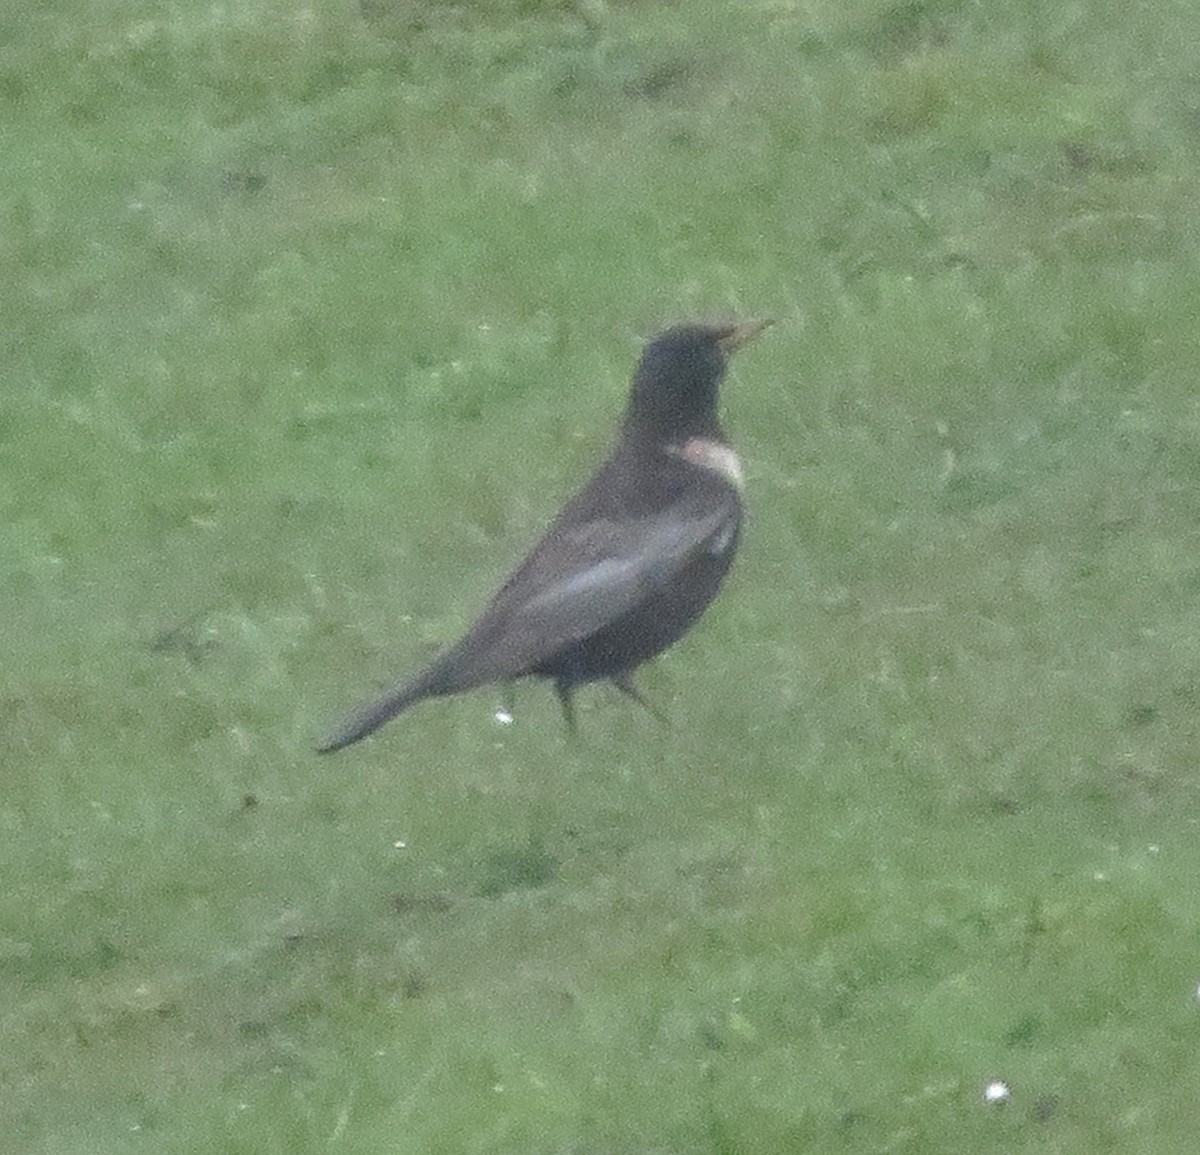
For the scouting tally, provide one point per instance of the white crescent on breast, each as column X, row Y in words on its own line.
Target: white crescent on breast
column 713, row 455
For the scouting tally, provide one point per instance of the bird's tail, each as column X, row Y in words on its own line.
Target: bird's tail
column 368, row 717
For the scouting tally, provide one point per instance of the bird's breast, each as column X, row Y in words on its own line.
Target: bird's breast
column 716, row 456
column 725, row 537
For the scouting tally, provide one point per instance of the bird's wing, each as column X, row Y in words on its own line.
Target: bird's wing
column 581, row 578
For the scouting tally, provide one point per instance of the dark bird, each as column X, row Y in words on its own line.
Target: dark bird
column 630, row 562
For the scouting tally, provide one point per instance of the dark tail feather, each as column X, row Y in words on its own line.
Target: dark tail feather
column 367, row 718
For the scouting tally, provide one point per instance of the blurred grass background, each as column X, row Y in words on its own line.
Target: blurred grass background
column 313, row 313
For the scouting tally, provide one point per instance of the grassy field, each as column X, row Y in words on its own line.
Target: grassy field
column 313, row 313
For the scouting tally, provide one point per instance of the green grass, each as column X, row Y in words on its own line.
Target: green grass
column 313, row 314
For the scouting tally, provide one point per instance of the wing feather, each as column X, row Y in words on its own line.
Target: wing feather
column 580, row 579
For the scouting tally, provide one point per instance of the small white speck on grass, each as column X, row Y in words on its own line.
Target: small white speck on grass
column 399, row 845
column 503, row 718
column 997, row 1093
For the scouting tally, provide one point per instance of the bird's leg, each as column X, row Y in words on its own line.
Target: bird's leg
column 563, row 689
column 624, row 683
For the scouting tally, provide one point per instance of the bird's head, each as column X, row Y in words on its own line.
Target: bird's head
column 675, row 387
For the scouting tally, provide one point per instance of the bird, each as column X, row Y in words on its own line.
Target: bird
column 629, row 563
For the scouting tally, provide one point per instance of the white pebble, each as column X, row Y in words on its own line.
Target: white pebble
column 997, row 1093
